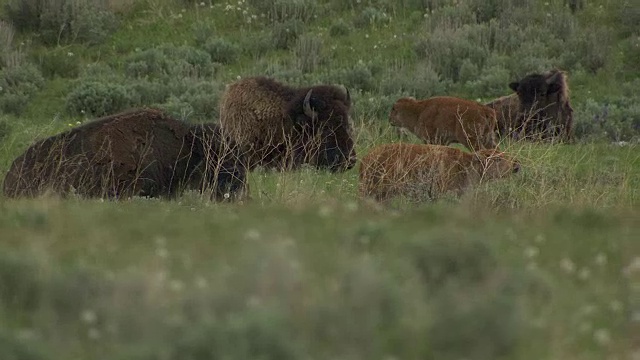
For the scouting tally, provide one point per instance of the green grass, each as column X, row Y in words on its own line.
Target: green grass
column 540, row 265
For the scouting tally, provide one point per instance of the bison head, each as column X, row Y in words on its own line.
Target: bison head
column 321, row 117
column 537, row 91
column 492, row 164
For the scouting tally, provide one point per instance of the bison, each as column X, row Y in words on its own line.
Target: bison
column 284, row 127
column 421, row 171
column 138, row 152
column 539, row 108
column 443, row 120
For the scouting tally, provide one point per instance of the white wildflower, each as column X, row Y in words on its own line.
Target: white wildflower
column 567, row 265
column 602, row 336
column 601, row 259
column 88, row 316
column 531, row 252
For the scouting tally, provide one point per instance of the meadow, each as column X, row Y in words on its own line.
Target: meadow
column 544, row 264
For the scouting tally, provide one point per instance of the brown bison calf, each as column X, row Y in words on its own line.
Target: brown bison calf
column 539, row 108
column 140, row 152
column 428, row 171
column 284, row 127
column 444, row 120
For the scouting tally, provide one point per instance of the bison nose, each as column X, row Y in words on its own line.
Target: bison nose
column 516, row 168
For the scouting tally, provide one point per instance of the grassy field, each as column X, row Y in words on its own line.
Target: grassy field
column 542, row 265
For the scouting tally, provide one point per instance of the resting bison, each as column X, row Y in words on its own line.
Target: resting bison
column 444, row 120
column 285, row 127
column 140, row 152
column 540, row 107
column 428, row 171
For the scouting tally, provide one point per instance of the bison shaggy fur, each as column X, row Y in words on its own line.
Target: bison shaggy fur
column 284, row 127
column 539, row 108
column 420, row 171
column 139, row 152
column 443, row 120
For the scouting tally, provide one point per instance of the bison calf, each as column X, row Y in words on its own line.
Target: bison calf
column 444, row 120
column 428, row 171
column 140, row 152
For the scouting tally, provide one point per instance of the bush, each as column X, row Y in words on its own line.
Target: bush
column 591, row 48
column 169, row 61
column 97, row 99
column 371, row 17
column 308, row 53
column 6, row 41
column 58, row 62
column 446, row 49
column 221, row 50
column 203, row 99
column 339, row 28
column 420, row 81
column 614, row 120
column 17, row 86
column 284, row 35
column 5, row 130
column 286, row 10
column 63, row 21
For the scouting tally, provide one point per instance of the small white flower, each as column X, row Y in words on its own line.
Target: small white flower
column 584, row 273
column 567, row 265
column 226, row 195
column 88, row 316
column 252, row 234
column 176, row 285
column 601, row 259
column 531, row 252
column 602, row 336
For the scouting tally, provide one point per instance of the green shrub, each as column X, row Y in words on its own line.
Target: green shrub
column 614, row 120
column 308, row 53
column 286, row 10
column 177, row 107
column 446, row 49
column 96, row 98
column 371, row 17
column 20, row 285
column 492, row 82
column 5, row 130
column 591, row 48
column 221, row 50
column 285, row 34
column 358, row 77
column 6, row 41
column 203, row 99
column 169, row 61
column 420, row 81
column 17, row 86
column 58, row 62
column 339, row 28
column 149, row 92
column 63, row 21
column 13, row 348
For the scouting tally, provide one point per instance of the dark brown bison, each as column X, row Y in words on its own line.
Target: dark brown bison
column 284, row 127
column 140, row 152
column 539, row 108
column 428, row 171
column 444, row 119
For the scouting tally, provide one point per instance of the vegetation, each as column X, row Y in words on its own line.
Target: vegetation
column 542, row 265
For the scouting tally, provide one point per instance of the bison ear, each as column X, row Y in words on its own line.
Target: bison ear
column 514, row 86
column 554, row 82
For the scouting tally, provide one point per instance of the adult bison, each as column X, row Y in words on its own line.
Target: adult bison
column 428, row 171
column 139, row 152
column 539, row 108
column 444, row 119
column 284, row 127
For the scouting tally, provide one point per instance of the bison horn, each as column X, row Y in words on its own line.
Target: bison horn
column 348, row 94
column 307, row 106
